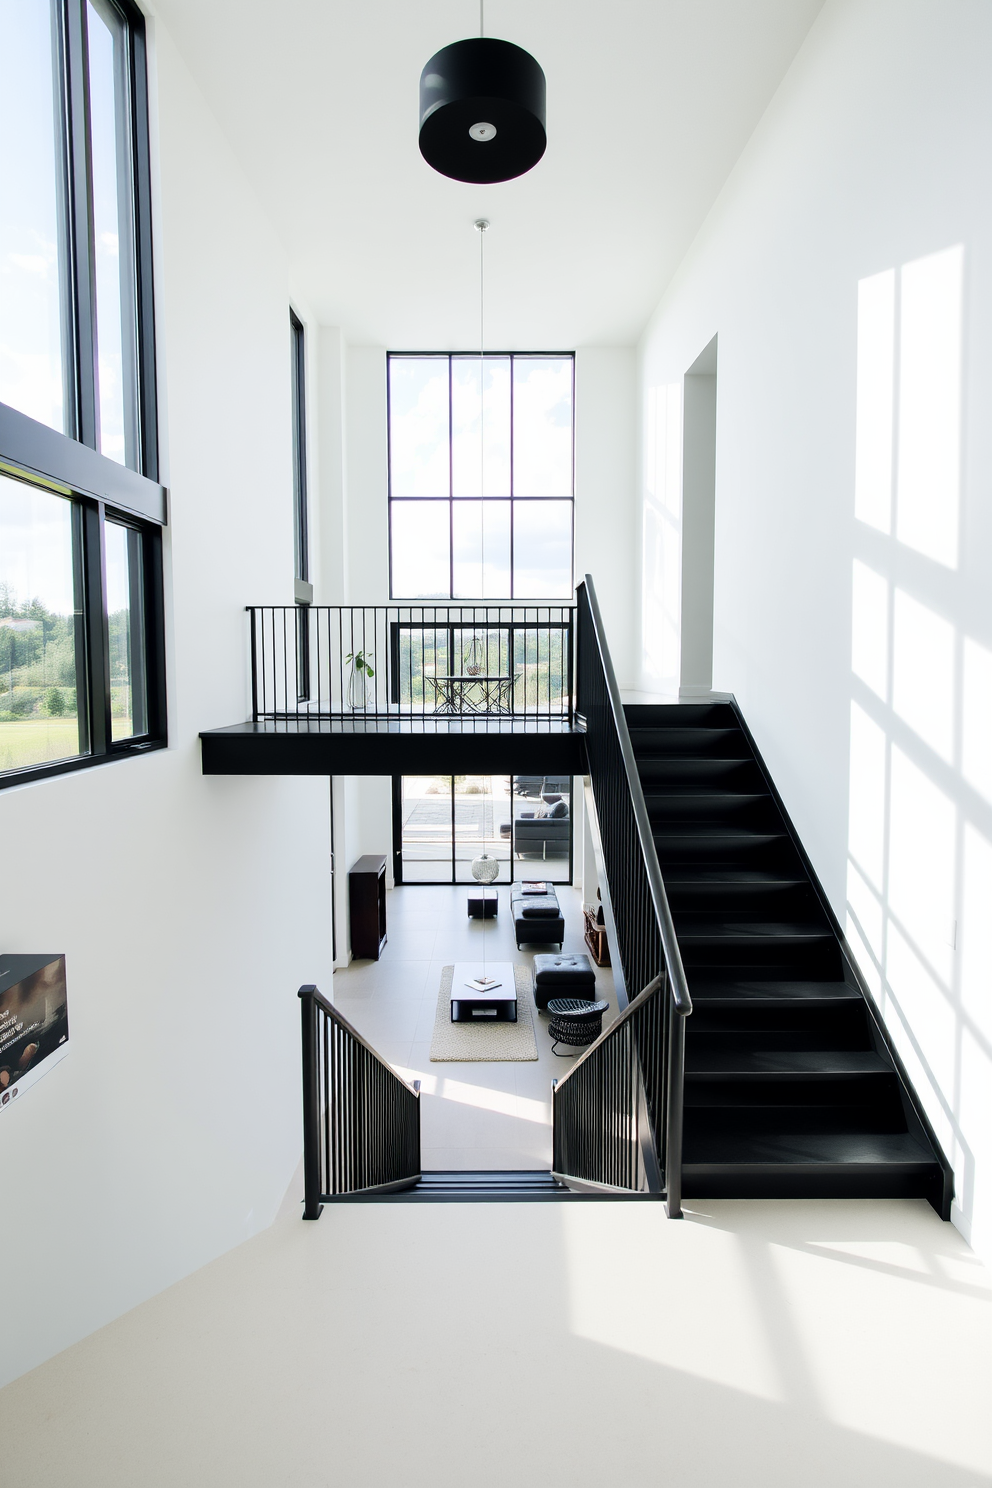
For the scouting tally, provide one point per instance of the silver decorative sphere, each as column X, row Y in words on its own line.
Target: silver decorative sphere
column 485, row 870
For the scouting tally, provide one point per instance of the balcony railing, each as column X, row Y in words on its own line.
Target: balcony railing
column 403, row 661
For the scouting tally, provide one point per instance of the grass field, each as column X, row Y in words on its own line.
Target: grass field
column 37, row 741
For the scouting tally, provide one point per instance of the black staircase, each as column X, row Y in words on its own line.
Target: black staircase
column 791, row 1086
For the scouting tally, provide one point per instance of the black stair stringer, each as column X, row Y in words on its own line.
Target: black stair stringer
column 793, row 1086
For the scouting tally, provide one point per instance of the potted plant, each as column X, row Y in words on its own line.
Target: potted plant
column 361, row 667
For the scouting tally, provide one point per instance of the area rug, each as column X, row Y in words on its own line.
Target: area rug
column 473, row 1043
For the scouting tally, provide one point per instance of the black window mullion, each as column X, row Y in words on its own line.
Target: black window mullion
column 154, row 612
column 97, row 628
column 144, row 268
column 82, row 258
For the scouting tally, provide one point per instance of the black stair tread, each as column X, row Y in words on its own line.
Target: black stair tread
column 704, row 925
column 879, row 1149
column 688, row 876
column 737, row 990
column 489, row 1176
column 803, row 1062
column 704, row 832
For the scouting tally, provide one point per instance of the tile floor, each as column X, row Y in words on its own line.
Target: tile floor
column 474, row 1116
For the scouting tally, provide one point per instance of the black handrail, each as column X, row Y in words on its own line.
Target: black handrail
column 646, row 942
column 361, row 1121
column 411, row 661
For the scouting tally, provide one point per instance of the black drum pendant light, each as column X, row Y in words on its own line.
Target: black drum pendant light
column 482, row 110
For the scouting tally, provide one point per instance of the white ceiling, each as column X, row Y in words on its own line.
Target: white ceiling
column 650, row 103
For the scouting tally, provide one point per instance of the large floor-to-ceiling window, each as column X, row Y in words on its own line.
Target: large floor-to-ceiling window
column 442, row 822
column 481, row 476
column 81, row 631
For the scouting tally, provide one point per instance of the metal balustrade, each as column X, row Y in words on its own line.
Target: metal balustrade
column 361, row 1121
column 618, row 1111
column 403, row 661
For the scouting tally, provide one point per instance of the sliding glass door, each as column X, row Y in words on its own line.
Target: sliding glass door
column 442, row 822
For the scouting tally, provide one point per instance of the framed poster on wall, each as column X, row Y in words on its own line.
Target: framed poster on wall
column 34, row 1024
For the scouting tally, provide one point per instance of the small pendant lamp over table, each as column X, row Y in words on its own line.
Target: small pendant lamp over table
column 482, row 110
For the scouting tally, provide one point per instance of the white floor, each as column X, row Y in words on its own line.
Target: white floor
column 491, row 1116
column 575, row 1345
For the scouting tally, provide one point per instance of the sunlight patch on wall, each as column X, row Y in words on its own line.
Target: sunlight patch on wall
column 921, row 882
column 976, row 934
column 923, row 673
column 866, row 833
column 930, row 331
column 870, row 629
column 976, row 719
column 919, row 873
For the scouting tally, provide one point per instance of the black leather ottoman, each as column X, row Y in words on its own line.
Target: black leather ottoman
column 563, row 976
column 537, row 919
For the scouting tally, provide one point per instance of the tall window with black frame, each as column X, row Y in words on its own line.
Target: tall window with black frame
column 303, row 589
column 81, row 510
column 481, row 476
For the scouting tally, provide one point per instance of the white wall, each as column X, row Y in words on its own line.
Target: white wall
column 190, row 909
column 605, row 489
column 871, row 161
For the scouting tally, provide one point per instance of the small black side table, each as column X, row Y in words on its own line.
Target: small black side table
column 367, row 900
column 481, row 907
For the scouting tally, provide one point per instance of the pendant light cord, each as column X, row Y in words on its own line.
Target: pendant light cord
column 482, row 225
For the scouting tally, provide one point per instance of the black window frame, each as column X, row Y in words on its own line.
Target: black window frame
column 303, row 590
column 460, row 883
column 70, row 464
column 451, row 499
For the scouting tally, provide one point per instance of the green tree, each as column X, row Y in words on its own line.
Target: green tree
column 54, row 702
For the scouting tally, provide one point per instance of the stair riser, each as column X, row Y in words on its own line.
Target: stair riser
column 675, row 813
column 659, row 773
column 842, row 1026
column 669, row 716
column 747, row 1114
column 762, row 901
column 726, row 744
column 791, row 962
column 699, row 1044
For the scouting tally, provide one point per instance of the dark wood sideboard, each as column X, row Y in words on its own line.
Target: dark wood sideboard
column 367, row 901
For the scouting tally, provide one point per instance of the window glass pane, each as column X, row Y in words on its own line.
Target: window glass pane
column 542, row 827
column 113, row 232
column 542, row 426
column 426, row 828
column 466, row 453
column 420, row 540
column 421, row 653
column 31, row 256
column 126, row 623
column 298, row 385
column 418, row 426
column 481, row 537
column 482, row 825
column 540, row 668
column 542, row 550
column 41, row 691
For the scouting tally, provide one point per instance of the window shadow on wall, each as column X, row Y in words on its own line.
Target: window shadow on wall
column 919, row 876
